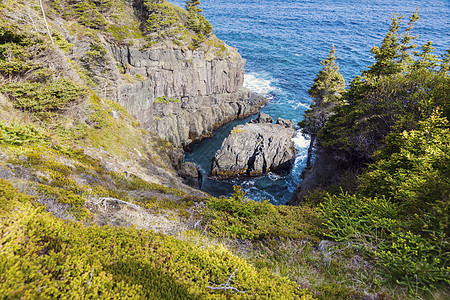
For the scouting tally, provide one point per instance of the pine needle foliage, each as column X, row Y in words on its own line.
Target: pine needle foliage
column 326, row 93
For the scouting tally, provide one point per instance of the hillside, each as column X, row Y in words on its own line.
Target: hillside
column 380, row 156
column 91, row 201
column 98, row 99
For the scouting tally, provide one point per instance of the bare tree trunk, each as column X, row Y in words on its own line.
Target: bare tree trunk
column 45, row 21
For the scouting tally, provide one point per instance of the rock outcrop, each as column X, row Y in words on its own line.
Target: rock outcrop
column 325, row 167
column 183, row 95
column 262, row 118
column 191, row 174
column 253, row 149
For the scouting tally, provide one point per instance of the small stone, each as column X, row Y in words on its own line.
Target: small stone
column 22, row 158
column 115, row 114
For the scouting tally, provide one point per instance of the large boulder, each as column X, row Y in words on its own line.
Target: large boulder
column 253, row 149
column 285, row 123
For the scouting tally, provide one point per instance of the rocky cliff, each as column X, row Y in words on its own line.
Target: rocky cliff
column 178, row 82
column 183, row 94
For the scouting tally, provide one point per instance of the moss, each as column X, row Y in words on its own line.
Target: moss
column 166, row 100
column 120, row 33
column 101, row 130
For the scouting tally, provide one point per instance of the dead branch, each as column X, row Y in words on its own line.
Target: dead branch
column 90, row 277
column 45, row 21
column 226, row 286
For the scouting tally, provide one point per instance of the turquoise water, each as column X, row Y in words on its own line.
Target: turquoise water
column 283, row 42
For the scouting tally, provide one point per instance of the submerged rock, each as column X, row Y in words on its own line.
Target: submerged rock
column 253, row 149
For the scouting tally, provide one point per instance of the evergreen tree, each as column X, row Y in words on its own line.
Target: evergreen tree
column 193, row 6
column 445, row 64
column 197, row 22
column 394, row 54
column 427, row 59
column 326, row 93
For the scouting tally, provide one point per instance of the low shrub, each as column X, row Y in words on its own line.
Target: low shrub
column 45, row 257
column 239, row 217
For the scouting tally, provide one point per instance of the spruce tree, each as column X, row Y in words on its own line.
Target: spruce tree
column 197, row 22
column 394, row 54
column 326, row 93
column 193, row 6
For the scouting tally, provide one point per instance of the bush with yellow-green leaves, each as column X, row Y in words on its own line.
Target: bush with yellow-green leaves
column 45, row 257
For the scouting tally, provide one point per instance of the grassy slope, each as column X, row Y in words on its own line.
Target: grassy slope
column 72, row 150
column 68, row 148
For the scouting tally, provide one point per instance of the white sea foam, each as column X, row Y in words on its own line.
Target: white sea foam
column 260, row 83
column 300, row 104
column 300, row 142
column 274, row 177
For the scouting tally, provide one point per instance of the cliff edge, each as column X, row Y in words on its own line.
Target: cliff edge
column 161, row 62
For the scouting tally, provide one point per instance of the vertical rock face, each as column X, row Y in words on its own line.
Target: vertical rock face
column 200, row 93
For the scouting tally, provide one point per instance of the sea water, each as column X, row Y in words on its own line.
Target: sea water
column 283, row 42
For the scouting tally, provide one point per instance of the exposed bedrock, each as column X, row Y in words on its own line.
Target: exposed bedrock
column 201, row 93
column 191, row 174
column 326, row 167
column 253, row 149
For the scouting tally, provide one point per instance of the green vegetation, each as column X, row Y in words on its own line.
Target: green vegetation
column 49, row 258
column 42, row 99
column 395, row 124
column 64, row 149
column 197, row 22
column 242, row 218
column 162, row 19
column 326, row 93
column 20, row 134
column 32, row 86
column 165, row 20
column 165, row 100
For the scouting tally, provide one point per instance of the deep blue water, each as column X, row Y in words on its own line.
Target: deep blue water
column 284, row 42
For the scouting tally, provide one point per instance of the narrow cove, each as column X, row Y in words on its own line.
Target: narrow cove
column 277, row 188
column 283, row 43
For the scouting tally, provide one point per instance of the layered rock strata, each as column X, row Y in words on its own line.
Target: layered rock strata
column 253, row 149
column 183, row 95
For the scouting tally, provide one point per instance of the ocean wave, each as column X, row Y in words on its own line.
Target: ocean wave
column 300, row 104
column 260, row 83
column 300, row 141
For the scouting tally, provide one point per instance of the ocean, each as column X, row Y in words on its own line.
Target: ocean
column 283, row 42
